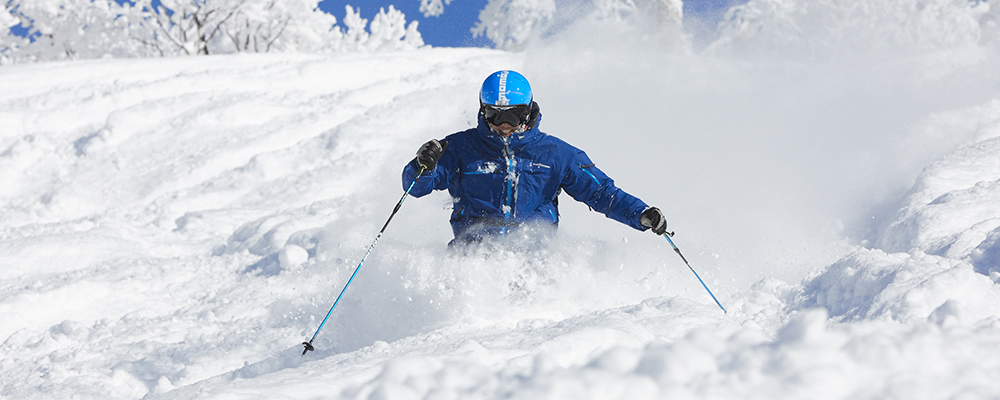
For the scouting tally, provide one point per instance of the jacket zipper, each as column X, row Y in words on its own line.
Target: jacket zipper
column 508, row 206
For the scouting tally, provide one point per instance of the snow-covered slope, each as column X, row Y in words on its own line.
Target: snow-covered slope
column 174, row 228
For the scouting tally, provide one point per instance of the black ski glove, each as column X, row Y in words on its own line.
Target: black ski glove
column 653, row 218
column 430, row 153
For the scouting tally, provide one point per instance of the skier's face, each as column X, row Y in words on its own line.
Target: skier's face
column 504, row 130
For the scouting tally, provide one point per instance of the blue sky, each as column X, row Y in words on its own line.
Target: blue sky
column 452, row 29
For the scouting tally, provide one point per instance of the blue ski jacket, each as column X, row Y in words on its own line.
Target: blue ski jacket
column 498, row 185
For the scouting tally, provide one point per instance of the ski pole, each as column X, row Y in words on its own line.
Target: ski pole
column 668, row 235
column 308, row 345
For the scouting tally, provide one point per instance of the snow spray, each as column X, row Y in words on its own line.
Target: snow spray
column 670, row 234
column 308, row 345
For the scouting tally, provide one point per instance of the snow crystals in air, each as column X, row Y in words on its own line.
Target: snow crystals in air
column 174, row 228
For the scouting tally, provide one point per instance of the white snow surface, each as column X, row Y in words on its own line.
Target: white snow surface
column 174, row 228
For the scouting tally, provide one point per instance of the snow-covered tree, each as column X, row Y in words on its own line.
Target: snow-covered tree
column 7, row 18
column 822, row 26
column 390, row 32
column 257, row 26
column 433, row 8
column 509, row 24
column 661, row 13
column 9, row 43
column 989, row 22
column 190, row 25
column 71, row 29
column 280, row 25
column 356, row 35
column 660, row 19
column 309, row 30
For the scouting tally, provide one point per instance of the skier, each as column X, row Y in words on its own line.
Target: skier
column 505, row 175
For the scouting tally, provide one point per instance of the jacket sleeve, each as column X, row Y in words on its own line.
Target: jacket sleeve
column 589, row 185
column 436, row 179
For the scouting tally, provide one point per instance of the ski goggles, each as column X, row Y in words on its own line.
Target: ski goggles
column 512, row 115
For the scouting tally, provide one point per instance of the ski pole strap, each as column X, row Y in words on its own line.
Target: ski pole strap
column 668, row 235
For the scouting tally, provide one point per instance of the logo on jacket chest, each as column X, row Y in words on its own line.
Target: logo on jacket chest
column 481, row 167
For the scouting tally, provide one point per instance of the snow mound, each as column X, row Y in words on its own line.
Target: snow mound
column 951, row 211
column 901, row 287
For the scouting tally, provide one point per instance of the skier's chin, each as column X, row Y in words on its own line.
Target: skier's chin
column 504, row 130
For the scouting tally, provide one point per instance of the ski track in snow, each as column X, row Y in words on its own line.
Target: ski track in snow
column 174, row 228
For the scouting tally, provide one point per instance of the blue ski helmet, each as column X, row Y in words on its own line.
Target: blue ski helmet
column 505, row 88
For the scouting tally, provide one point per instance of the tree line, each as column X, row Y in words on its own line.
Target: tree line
column 45, row 30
